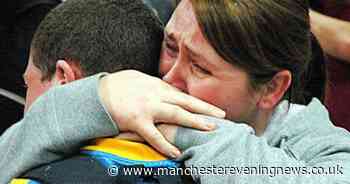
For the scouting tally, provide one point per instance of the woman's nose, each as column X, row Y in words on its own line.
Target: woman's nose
column 176, row 78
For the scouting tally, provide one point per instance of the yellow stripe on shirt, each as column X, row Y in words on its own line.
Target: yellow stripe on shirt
column 20, row 181
column 126, row 149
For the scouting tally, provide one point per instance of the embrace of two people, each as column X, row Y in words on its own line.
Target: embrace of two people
column 232, row 77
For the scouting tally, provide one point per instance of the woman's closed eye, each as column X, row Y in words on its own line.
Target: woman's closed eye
column 171, row 49
column 197, row 68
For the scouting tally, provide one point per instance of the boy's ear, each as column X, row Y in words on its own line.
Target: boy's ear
column 67, row 72
column 275, row 90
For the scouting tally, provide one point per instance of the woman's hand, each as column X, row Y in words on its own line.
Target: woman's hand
column 137, row 102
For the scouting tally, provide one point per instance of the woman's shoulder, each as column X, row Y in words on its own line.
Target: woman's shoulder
column 299, row 122
column 301, row 114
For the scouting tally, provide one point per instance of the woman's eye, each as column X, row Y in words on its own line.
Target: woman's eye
column 170, row 46
column 171, row 50
column 201, row 69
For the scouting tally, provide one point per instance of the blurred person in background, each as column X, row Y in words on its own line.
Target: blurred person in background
column 163, row 8
column 18, row 22
column 330, row 23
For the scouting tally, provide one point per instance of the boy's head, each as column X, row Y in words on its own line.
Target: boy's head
column 84, row 37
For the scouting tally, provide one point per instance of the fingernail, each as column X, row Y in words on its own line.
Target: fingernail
column 175, row 154
column 220, row 113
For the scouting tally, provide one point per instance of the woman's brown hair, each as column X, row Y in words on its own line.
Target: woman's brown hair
column 262, row 37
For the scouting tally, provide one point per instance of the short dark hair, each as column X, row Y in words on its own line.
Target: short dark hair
column 101, row 35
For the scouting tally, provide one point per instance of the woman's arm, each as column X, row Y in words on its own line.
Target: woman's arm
column 57, row 124
column 63, row 119
column 333, row 35
column 233, row 154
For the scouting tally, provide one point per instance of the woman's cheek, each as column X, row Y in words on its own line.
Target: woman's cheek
column 206, row 93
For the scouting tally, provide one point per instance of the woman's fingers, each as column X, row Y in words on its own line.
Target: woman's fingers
column 152, row 135
column 172, row 114
column 135, row 108
column 168, row 131
column 193, row 104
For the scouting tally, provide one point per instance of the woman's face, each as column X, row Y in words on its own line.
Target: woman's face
column 191, row 64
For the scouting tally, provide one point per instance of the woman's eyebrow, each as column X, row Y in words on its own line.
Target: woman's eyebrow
column 195, row 53
column 192, row 51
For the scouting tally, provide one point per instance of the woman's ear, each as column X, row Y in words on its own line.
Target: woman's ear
column 275, row 90
column 67, row 72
